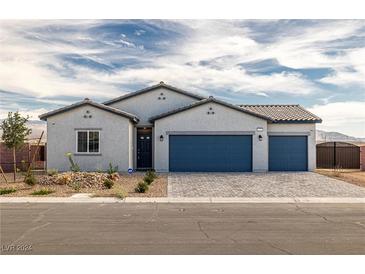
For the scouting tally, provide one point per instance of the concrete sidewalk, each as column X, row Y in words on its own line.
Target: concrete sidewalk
column 86, row 198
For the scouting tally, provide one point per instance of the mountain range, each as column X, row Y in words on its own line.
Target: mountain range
column 329, row 136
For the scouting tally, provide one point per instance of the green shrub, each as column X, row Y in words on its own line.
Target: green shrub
column 43, row 191
column 30, row 180
column 148, row 180
column 75, row 186
column 112, row 169
column 142, row 187
column 337, row 171
column 52, row 172
column 4, row 191
column 151, row 174
column 74, row 167
column 108, row 183
column 149, row 177
column 121, row 194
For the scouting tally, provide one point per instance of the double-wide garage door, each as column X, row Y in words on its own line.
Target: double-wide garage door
column 288, row 153
column 210, row 153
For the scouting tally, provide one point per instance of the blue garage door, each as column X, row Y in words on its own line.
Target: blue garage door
column 210, row 153
column 288, row 153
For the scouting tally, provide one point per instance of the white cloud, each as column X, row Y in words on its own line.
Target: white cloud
column 24, row 63
column 354, row 76
column 34, row 79
column 139, row 32
column 33, row 114
column 32, row 66
column 344, row 117
column 199, row 78
column 306, row 50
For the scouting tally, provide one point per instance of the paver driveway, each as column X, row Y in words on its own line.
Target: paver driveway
column 271, row 184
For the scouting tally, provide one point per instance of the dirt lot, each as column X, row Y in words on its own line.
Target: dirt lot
column 352, row 176
column 126, row 183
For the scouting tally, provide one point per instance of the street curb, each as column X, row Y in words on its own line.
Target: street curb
column 86, row 198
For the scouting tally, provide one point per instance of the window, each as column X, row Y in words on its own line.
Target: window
column 88, row 141
column 93, row 141
column 82, row 141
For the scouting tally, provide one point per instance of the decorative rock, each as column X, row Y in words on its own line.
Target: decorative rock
column 85, row 179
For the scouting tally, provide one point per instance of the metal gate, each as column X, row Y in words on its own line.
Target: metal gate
column 338, row 155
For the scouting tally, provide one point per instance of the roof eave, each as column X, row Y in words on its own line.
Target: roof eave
column 41, row 117
column 172, row 112
column 297, row 121
column 133, row 118
column 202, row 102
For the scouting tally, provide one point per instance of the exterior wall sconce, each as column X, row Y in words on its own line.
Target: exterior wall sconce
column 260, row 137
column 161, row 138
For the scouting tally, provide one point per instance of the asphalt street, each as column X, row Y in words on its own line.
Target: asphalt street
column 152, row 228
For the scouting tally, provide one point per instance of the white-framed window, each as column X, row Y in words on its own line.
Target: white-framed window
column 87, row 141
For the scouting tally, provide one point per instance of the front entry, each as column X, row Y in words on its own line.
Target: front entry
column 144, row 148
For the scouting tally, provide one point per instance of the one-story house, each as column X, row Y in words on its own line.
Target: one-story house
column 171, row 130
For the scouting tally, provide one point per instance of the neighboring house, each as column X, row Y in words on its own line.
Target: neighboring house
column 168, row 129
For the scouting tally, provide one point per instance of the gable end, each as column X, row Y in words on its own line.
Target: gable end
column 160, row 85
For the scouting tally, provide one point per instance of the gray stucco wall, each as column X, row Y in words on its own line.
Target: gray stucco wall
column 224, row 121
column 298, row 129
column 147, row 104
column 115, row 139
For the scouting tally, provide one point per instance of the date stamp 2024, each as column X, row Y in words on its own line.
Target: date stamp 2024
column 16, row 248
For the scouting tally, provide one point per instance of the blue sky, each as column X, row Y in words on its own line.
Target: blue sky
column 319, row 64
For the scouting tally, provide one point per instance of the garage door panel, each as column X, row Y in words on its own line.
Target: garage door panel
column 288, row 153
column 210, row 153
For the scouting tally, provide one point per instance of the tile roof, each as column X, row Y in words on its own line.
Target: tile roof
column 284, row 113
column 210, row 99
column 161, row 84
column 87, row 101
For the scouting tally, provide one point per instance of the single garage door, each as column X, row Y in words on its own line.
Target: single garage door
column 210, row 153
column 288, row 153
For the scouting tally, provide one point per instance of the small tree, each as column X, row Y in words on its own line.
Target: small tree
column 14, row 133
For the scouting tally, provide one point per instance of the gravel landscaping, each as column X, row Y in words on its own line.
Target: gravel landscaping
column 352, row 176
column 67, row 184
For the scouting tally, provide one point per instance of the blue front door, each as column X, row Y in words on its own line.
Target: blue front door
column 288, row 153
column 210, row 153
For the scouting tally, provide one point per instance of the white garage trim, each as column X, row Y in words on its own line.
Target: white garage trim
column 210, row 133
column 306, row 133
